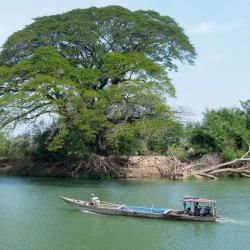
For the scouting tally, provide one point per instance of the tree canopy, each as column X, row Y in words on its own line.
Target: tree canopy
column 225, row 131
column 95, row 71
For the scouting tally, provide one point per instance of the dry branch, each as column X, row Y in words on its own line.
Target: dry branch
column 237, row 167
column 208, row 175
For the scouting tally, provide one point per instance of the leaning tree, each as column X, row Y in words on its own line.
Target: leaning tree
column 93, row 70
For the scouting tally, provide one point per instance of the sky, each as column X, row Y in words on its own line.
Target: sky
column 219, row 30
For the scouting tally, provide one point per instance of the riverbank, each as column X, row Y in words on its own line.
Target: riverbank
column 97, row 167
column 106, row 167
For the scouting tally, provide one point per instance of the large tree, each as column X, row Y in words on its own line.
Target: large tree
column 92, row 70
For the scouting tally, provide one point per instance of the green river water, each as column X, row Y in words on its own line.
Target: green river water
column 33, row 218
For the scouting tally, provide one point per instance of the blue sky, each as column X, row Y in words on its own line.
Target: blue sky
column 219, row 30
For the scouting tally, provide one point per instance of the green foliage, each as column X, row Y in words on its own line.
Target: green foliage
column 94, row 70
column 84, row 36
column 225, row 131
column 3, row 146
column 144, row 137
column 15, row 147
column 128, row 145
column 40, row 149
column 161, row 134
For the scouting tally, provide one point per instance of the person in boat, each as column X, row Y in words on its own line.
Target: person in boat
column 94, row 200
column 197, row 209
column 207, row 211
column 187, row 210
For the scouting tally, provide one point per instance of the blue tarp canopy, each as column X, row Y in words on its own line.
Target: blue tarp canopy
column 145, row 209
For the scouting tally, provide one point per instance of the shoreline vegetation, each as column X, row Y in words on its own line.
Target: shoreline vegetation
column 101, row 167
column 92, row 88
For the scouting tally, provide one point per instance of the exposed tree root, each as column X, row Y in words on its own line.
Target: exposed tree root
column 237, row 166
column 131, row 167
column 89, row 166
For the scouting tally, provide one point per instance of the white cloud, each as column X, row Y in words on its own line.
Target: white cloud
column 209, row 27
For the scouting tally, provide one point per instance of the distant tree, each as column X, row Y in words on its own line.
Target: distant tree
column 91, row 69
column 3, row 146
column 245, row 107
column 224, row 131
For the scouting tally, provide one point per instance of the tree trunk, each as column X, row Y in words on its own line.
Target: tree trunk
column 98, row 146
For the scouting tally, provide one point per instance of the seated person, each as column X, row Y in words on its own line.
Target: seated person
column 187, row 210
column 206, row 211
column 196, row 209
column 94, row 200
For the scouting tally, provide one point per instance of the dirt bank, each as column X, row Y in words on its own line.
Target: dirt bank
column 6, row 165
column 99, row 167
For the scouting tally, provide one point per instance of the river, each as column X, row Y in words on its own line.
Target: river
column 33, row 218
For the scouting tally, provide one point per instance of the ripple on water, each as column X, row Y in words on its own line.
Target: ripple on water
column 232, row 221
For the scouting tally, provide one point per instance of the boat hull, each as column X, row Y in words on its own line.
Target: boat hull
column 117, row 210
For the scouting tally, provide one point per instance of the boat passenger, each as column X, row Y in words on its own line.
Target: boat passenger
column 206, row 211
column 197, row 209
column 187, row 210
column 94, row 200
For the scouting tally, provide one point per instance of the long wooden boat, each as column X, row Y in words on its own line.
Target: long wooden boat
column 160, row 213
